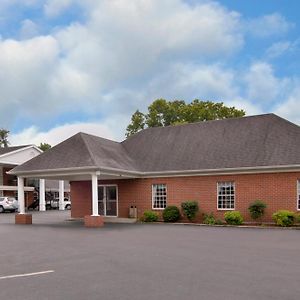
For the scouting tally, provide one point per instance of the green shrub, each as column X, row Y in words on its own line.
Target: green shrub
column 219, row 222
column 284, row 218
column 150, row 216
column 190, row 209
column 209, row 219
column 257, row 209
column 171, row 214
column 233, row 218
column 297, row 218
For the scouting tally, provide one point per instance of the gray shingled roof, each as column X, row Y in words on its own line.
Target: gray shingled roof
column 81, row 151
column 6, row 150
column 264, row 140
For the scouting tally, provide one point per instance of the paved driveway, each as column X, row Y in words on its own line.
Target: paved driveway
column 149, row 261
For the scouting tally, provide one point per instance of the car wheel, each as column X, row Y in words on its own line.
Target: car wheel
column 68, row 207
column 1, row 209
column 48, row 206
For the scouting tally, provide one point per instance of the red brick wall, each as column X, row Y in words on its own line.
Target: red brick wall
column 81, row 197
column 7, row 178
column 278, row 190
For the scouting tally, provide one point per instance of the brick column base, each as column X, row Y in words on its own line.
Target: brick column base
column 23, row 219
column 93, row 221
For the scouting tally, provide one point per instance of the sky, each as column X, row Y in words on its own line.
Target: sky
column 84, row 65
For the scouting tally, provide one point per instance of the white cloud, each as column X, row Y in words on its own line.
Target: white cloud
column 33, row 135
column 280, row 48
column 290, row 108
column 277, row 49
column 53, row 8
column 262, row 86
column 122, row 46
column 25, row 70
column 269, row 25
column 29, row 29
column 126, row 54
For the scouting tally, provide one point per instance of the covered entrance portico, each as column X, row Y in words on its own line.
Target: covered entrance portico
column 103, row 197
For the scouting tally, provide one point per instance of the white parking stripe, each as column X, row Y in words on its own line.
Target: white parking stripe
column 26, row 274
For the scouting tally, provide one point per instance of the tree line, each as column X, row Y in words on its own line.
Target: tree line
column 164, row 113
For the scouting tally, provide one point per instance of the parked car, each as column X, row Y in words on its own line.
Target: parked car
column 54, row 204
column 8, row 204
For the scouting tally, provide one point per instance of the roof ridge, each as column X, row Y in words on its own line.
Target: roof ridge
column 97, row 136
column 201, row 122
column 88, row 148
column 287, row 121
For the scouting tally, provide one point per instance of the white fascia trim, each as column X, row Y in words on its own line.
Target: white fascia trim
column 76, row 171
column 204, row 172
column 51, row 172
column 20, row 150
column 137, row 174
column 228, row 171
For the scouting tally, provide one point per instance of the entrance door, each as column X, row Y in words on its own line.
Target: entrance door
column 108, row 200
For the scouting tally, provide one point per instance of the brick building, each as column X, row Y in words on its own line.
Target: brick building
column 223, row 164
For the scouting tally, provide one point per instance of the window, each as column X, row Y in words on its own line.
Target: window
column 226, row 195
column 159, row 196
column 298, row 194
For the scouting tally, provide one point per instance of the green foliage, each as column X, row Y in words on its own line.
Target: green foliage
column 137, row 123
column 44, row 146
column 209, row 219
column 164, row 113
column 297, row 218
column 171, row 214
column 190, row 209
column 284, row 218
column 150, row 216
column 219, row 222
column 233, row 218
column 4, row 138
column 257, row 209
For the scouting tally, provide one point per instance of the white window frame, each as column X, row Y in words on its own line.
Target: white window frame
column 159, row 208
column 222, row 182
column 298, row 194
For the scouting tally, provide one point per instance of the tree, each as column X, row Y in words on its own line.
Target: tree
column 164, row 113
column 44, row 146
column 4, row 137
column 137, row 123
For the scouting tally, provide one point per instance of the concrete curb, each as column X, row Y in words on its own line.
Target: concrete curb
column 227, row 226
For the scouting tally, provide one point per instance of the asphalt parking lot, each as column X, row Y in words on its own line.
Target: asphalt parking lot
column 145, row 261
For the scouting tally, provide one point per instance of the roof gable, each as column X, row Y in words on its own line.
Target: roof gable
column 18, row 154
column 4, row 150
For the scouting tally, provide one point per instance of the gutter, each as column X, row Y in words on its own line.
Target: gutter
column 172, row 173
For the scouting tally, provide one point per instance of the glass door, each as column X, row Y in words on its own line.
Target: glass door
column 108, row 200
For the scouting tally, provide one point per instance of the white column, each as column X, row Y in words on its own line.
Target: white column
column 61, row 195
column 21, row 198
column 42, row 195
column 95, row 195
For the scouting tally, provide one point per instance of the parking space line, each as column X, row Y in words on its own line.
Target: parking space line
column 27, row 274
